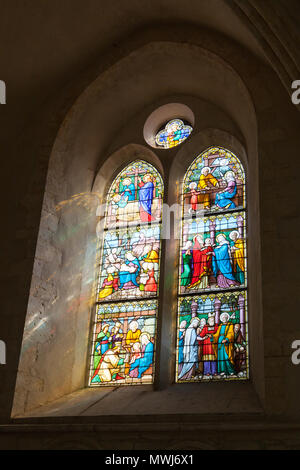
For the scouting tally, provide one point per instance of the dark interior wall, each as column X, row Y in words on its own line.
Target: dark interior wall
column 26, row 148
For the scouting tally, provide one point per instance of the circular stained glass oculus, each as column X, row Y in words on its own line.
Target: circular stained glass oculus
column 173, row 134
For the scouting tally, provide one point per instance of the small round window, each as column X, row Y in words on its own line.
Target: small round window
column 173, row 133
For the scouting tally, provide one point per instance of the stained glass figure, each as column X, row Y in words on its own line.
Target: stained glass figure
column 123, row 346
column 212, row 337
column 135, row 196
column 214, row 182
column 213, row 253
column 173, row 134
column 124, row 335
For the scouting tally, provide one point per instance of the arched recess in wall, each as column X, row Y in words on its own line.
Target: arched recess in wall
column 58, row 318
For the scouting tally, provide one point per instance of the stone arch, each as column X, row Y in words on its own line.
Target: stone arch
column 93, row 130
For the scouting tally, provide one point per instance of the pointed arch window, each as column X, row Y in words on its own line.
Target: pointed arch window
column 212, row 330
column 124, row 332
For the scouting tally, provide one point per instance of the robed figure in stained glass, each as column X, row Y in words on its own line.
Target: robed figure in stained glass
column 102, row 344
column 205, row 262
column 194, row 196
column 128, row 190
column 182, row 328
column 150, row 285
column 202, row 262
column 224, row 198
column 223, row 342
column 129, row 271
column 107, row 285
column 209, row 356
column 142, row 363
column 196, row 256
column 132, row 338
column 133, row 334
column 116, row 334
column 145, row 198
column 109, row 366
column 206, row 182
column 186, row 264
column 221, row 263
column 239, row 349
column 190, row 351
column 238, row 256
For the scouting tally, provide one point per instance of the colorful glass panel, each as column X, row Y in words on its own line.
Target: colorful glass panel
column 212, row 337
column 135, row 196
column 212, row 333
column 215, row 182
column 213, row 253
column 129, row 263
column 123, row 344
column 174, row 133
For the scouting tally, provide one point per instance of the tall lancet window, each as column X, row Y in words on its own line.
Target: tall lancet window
column 124, row 334
column 212, row 333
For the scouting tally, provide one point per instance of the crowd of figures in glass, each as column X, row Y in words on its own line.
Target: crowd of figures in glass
column 213, row 254
column 212, row 337
column 129, row 263
column 212, row 327
column 123, row 343
column 173, row 134
column 124, row 333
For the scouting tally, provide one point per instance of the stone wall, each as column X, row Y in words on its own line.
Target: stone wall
column 46, row 261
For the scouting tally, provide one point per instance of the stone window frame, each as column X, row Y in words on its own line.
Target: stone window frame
column 167, row 299
column 81, row 153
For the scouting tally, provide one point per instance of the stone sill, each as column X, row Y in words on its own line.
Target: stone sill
column 185, row 400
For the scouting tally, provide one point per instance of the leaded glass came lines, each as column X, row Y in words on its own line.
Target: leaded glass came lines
column 173, row 134
column 212, row 334
column 124, row 333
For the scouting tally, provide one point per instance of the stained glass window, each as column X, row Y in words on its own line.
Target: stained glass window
column 124, row 333
column 174, row 132
column 212, row 337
